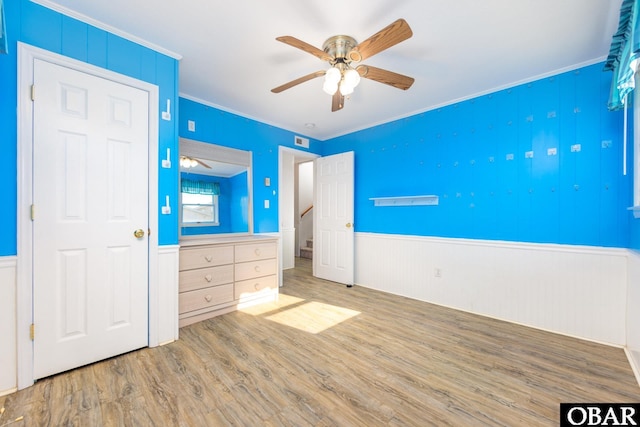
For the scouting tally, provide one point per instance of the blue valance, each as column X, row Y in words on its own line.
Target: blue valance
column 4, row 45
column 199, row 187
column 624, row 54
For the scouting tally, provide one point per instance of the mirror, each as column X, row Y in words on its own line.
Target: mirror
column 215, row 189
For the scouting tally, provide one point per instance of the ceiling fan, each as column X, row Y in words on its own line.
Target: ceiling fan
column 192, row 162
column 341, row 51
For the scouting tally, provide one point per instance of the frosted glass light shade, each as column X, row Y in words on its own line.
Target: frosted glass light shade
column 332, row 76
column 346, row 88
column 352, row 78
column 330, row 87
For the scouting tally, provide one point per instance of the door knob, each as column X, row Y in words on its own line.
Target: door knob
column 139, row 233
column 348, row 225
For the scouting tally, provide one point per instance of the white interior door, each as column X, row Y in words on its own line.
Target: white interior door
column 90, row 192
column 333, row 218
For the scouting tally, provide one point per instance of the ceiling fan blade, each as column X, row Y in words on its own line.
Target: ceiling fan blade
column 292, row 41
column 297, row 81
column 389, row 36
column 337, row 102
column 203, row 164
column 387, row 77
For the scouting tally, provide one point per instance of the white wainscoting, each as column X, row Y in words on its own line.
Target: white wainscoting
column 633, row 312
column 168, row 278
column 8, row 342
column 573, row 290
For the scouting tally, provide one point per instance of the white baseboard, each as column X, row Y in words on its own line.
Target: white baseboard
column 8, row 341
column 573, row 290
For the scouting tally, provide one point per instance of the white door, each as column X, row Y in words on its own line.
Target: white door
column 333, row 218
column 90, row 193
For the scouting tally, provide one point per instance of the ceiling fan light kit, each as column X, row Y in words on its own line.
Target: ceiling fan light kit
column 189, row 162
column 340, row 51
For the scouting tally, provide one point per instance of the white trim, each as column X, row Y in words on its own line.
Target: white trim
column 240, row 114
column 634, row 360
column 8, row 261
column 26, row 56
column 556, row 247
column 468, row 97
column 106, row 27
column 298, row 156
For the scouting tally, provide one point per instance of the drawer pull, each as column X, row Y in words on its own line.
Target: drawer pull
column 208, row 258
column 208, row 278
column 258, row 252
column 257, row 286
column 257, row 268
column 208, row 298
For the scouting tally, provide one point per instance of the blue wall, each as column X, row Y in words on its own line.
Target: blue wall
column 459, row 153
column 41, row 27
column 219, row 127
column 239, row 204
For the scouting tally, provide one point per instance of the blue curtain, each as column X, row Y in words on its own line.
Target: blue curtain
column 4, row 45
column 200, row 187
column 624, row 54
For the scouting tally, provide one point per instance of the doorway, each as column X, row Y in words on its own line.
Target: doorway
column 289, row 210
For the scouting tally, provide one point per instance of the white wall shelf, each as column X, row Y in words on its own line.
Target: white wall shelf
column 429, row 200
column 635, row 210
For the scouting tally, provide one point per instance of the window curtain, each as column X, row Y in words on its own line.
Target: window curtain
column 200, row 187
column 4, row 45
column 624, row 54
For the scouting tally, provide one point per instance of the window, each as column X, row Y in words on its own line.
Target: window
column 199, row 208
column 199, row 203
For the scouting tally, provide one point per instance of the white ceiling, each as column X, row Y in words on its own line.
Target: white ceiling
column 459, row 49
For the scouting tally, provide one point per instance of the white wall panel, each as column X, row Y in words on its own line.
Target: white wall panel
column 8, row 343
column 633, row 312
column 168, row 277
column 573, row 290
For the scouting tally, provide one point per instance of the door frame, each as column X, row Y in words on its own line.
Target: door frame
column 24, row 295
column 299, row 157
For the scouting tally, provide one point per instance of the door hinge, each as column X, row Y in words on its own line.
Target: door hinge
column 33, row 92
column 32, row 332
column 33, row 212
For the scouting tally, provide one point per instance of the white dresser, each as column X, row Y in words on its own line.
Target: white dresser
column 219, row 275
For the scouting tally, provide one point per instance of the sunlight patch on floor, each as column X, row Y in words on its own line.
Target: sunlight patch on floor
column 313, row 317
column 283, row 301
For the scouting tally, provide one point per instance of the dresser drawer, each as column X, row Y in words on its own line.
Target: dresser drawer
column 205, row 257
column 205, row 277
column 256, row 251
column 248, row 288
column 250, row 270
column 207, row 297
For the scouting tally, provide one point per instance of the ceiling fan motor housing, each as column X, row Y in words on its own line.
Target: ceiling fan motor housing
column 339, row 47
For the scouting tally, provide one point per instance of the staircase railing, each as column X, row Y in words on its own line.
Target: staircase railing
column 306, row 211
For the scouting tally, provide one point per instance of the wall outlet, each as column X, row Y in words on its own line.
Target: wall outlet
column 437, row 273
column 191, row 125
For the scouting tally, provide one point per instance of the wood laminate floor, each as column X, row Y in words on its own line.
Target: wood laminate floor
column 327, row 355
